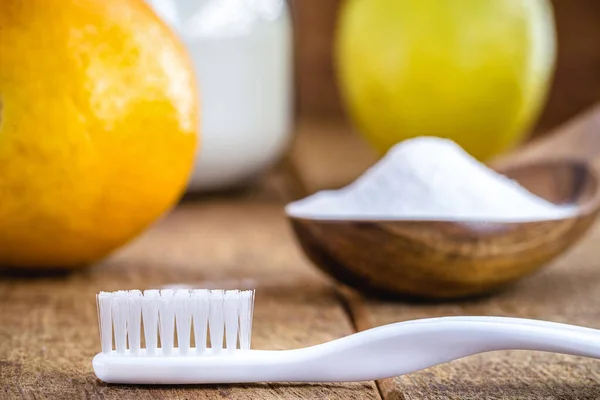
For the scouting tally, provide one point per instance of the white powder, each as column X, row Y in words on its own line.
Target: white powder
column 429, row 178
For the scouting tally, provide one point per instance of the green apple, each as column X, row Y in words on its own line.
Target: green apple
column 474, row 71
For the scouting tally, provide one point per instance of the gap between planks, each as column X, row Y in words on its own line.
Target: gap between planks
column 298, row 184
column 360, row 320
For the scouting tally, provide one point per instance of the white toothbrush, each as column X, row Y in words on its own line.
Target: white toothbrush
column 377, row 353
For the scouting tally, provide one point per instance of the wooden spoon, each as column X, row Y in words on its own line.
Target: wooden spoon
column 453, row 259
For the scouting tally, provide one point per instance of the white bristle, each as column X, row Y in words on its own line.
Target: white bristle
column 166, row 321
column 150, row 304
column 222, row 313
column 134, row 320
column 200, row 317
column 230, row 312
column 103, row 302
column 183, row 318
column 119, row 315
column 216, row 320
column 246, row 311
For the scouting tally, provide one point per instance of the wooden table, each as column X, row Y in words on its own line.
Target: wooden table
column 48, row 325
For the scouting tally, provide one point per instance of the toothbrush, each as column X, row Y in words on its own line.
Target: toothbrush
column 224, row 317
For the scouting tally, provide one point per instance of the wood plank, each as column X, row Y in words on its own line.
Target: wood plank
column 565, row 291
column 48, row 326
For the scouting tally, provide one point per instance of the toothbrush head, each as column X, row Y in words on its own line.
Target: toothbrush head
column 222, row 318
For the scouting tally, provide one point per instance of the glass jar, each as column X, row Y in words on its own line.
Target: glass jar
column 242, row 56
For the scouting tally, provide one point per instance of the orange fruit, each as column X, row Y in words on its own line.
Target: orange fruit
column 98, row 128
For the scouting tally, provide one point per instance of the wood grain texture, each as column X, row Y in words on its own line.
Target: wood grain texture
column 435, row 260
column 48, row 326
column 447, row 259
column 565, row 292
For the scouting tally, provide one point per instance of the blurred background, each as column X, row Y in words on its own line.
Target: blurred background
column 320, row 88
column 575, row 86
column 289, row 79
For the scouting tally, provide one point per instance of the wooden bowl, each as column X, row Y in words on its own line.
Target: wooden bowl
column 447, row 259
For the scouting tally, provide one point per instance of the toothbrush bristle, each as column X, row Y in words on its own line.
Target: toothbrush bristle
column 119, row 316
column 246, row 313
column 231, row 313
column 216, row 319
column 200, row 308
column 183, row 316
column 134, row 320
column 215, row 314
column 166, row 321
column 150, row 302
column 104, row 303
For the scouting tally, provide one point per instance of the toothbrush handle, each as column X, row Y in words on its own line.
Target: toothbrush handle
column 377, row 353
column 406, row 347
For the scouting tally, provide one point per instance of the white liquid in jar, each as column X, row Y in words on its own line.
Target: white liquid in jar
column 242, row 55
